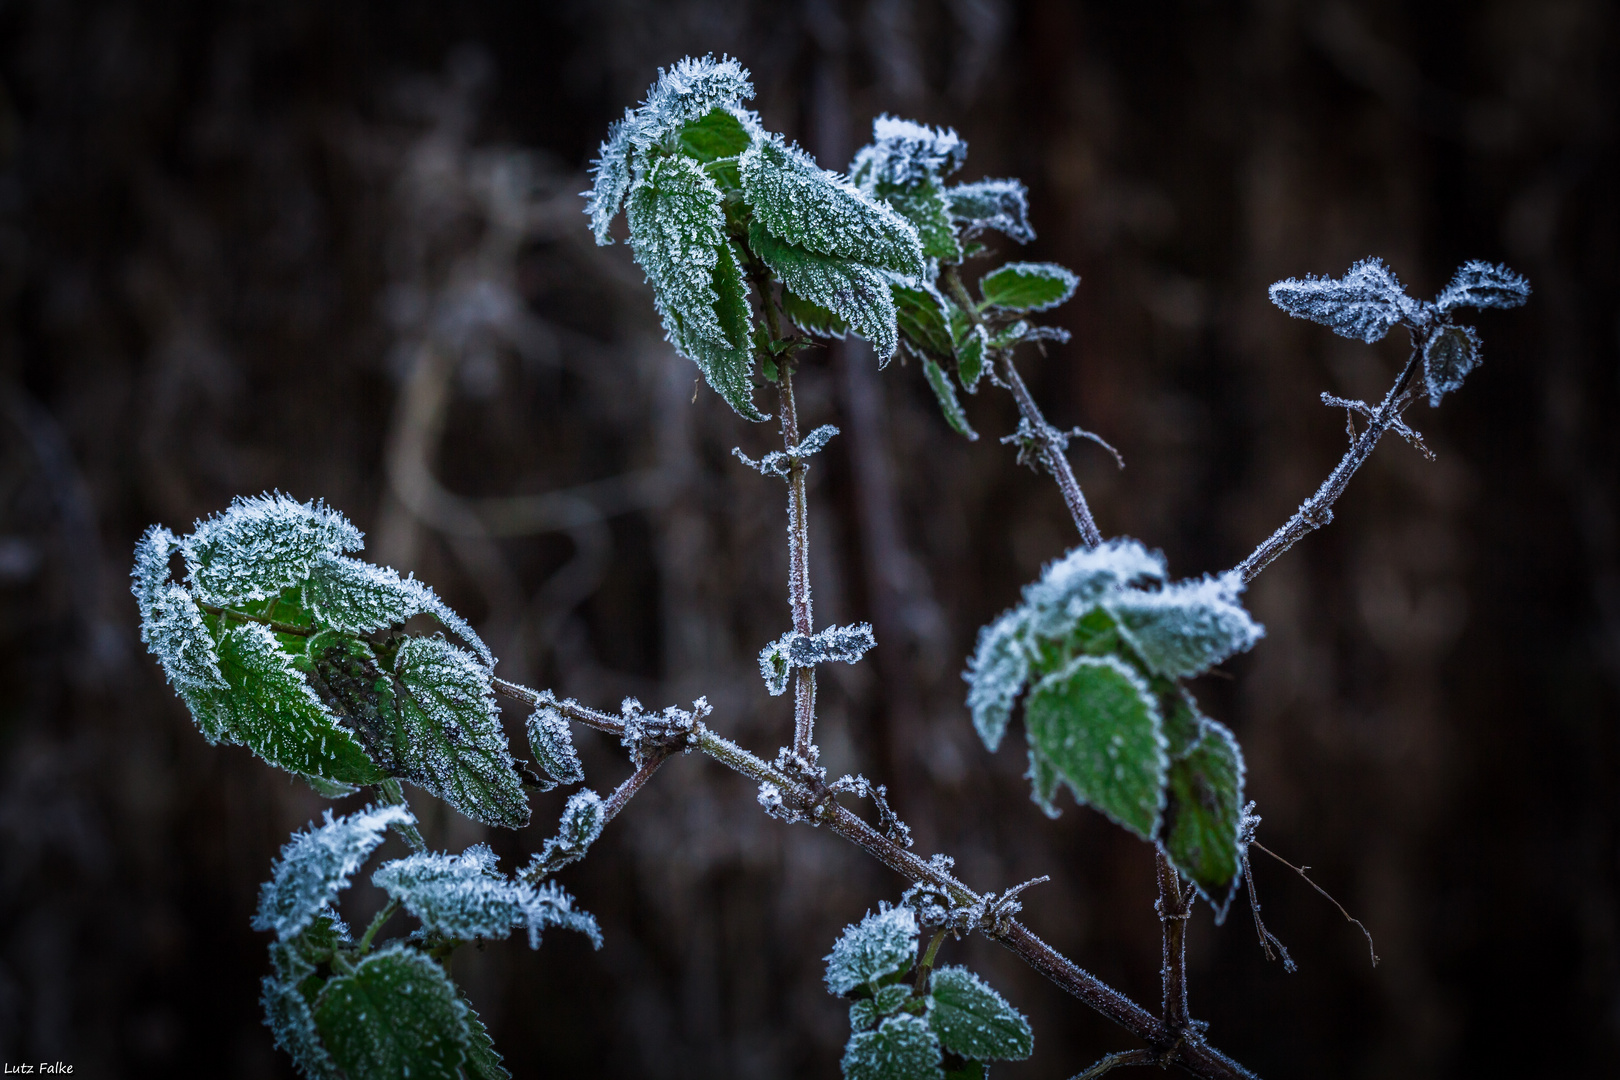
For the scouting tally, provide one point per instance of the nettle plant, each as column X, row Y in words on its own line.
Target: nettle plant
column 352, row 676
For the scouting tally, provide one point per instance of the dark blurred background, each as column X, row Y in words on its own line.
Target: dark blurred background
column 338, row 250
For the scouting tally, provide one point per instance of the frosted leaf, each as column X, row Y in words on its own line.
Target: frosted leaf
column 867, row 1012
column 150, row 575
column 465, row 897
column 687, row 91
column 719, row 133
column 316, row 865
column 996, row 675
column 553, row 745
column 1187, row 628
column 780, row 462
column 1002, row 205
column 906, row 153
column 924, row 206
column 1482, row 285
column 811, row 317
column 1449, row 354
column 1076, row 583
column 970, row 357
column 448, row 740
column 358, row 597
column 583, row 818
column 1204, row 816
column 1096, row 723
column 397, row 1015
column 975, row 1022
column 548, row 905
column 271, row 709
column 855, row 293
column 904, row 1048
column 291, row 1021
column 1043, row 783
column 172, row 629
column 878, row 946
column 1363, row 304
column 1026, row 286
column 945, row 394
column 483, row 1060
column 924, row 318
column 801, row 203
column 843, row 644
column 260, row 545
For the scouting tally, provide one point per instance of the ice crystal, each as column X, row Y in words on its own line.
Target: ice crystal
column 260, row 545
column 316, row 865
column 449, row 740
column 903, row 1048
column 904, row 153
column 1482, row 285
column 553, row 744
column 878, row 946
column 842, row 644
column 1363, row 304
column 686, row 91
column 1002, row 205
column 804, row 205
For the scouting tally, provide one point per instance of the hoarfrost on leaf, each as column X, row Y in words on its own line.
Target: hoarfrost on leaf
column 1187, row 628
column 996, row 675
column 1026, row 286
column 843, row 644
column 358, row 597
column 878, row 946
column 1449, row 354
column 261, row 545
column 804, row 205
column 582, row 820
column 1002, row 205
column 449, row 740
column 172, row 629
column 1363, row 304
column 1481, row 285
column 903, row 1048
column 1204, row 819
column 553, row 744
column 780, row 462
column 397, row 1015
column 1074, row 584
column 291, row 1021
column 855, row 293
column 904, row 153
column 867, row 1013
column 973, row 1021
column 316, row 865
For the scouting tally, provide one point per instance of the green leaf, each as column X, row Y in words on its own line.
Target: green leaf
column 358, row 597
column 855, row 293
column 717, row 134
column 1204, row 814
column 970, row 356
column 1187, row 628
column 805, row 205
column 448, row 740
column 398, row 1015
column 483, row 1060
column 923, row 320
column 1183, row 722
column 1096, row 723
column 1043, row 783
column 1028, row 286
column 997, row 673
column 873, row 950
column 315, row 865
column 291, row 1021
column 973, row 1021
column 904, row 1048
column 812, row 318
column 866, row 1013
column 946, row 393
column 925, row 207
column 678, row 233
column 271, row 709
column 261, row 545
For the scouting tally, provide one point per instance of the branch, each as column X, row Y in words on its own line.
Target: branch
column 804, row 679
column 1174, row 908
column 1317, row 511
column 1050, row 443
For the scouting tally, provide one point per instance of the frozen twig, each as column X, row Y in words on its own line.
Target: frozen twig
column 1300, row 870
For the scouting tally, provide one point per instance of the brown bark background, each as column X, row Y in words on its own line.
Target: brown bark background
column 236, row 239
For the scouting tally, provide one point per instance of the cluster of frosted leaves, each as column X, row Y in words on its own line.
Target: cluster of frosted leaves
column 711, row 199
column 1097, row 650
column 278, row 641
column 906, row 166
column 346, row 1012
column 841, row 644
column 949, row 1030
column 1368, row 301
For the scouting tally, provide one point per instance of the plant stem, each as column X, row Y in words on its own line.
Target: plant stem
column 1114, row 1061
column 804, row 684
column 1051, row 443
column 278, row 627
column 377, row 924
column 632, row 784
column 392, row 794
column 1317, row 511
column 927, row 964
column 1174, row 910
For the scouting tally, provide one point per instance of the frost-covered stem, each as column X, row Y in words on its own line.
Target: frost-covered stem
column 1184, row 1049
column 1113, row 1061
column 804, row 679
column 278, row 627
column 591, row 718
column 632, row 784
column 382, row 916
column 1317, row 511
column 1174, row 909
column 1052, row 451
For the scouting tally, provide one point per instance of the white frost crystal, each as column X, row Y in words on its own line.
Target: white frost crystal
column 879, row 945
column 316, row 865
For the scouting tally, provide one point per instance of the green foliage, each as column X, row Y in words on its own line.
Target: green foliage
column 1099, row 644
column 856, row 294
column 903, row 1048
column 873, row 950
column 397, row 1015
column 973, row 1021
column 940, row 383
column 1025, row 286
column 292, row 649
